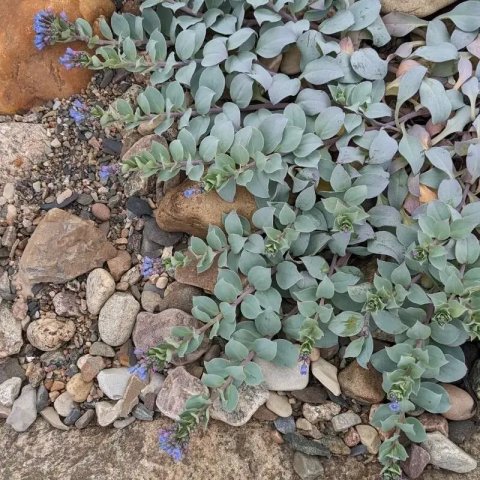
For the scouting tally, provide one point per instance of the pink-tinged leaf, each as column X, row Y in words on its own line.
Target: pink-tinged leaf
column 474, row 47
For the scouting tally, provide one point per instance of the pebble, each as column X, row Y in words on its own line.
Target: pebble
column 358, row 450
column 307, row 467
column 302, row 444
column 64, row 404
column 100, row 287
column 445, row 454
column 85, row 419
column 102, row 349
column 72, row 417
column 369, row 437
column 106, row 413
column 139, row 207
column 55, row 143
column 279, row 404
column 153, row 386
column 64, row 196
column 263, row 414
column 304, row 424
column 320, row 413
column 326, row 374
column 117, row 317
column 91, row 367
column 120, row 264
column 141, row 412
column 125, row 422
column 43, row 400
column 65, row 304
column 84, row 199
column 462, row 405
column 51, row 416
column 313, row 394
column 48, row 334
column 24, row 410
column 285, row 425
column 9, row 391
column 151, row 301
column 101, row 211
column 434, row 423
column 418, row 459
column 155, row 234
column 351, row 438
column 9, row 367
column 79, row 388
column 344, row 421
column 363, row 385
column 11, row 340
column 462, row 431
column 113, row 382
column 282, row 379
column 9, row 191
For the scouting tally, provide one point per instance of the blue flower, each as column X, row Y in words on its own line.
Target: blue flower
column 190, row 192
column 140, row 370
column 304, row 358
column 44, row 27
column 171, row 445
column 151, row 266
column 73, row 58
column 394, row 406
column 78, row 112
column 107, row 170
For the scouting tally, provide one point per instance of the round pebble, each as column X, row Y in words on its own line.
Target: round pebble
column 101, row 211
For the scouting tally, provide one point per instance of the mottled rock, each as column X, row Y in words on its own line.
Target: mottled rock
column 64, row 404
column 130, row 397
column 182, row 211
column 282, row 379
column 102, row 349
column 304, row 445
column 152, row 329
column 117, row 317
column 78, row 388
column 313, row 394
column 462, row 431
column 65, row 304
column 9, row 391
column 188, row 274
column 30, row 77
column 107, row 413
column 363, row 385
column 24, row 410
column 326, row 374
column 445, row 454
column 285, row 425
column 91, row 367
column 100, row 287
column 113, row 382
column 62, row 247
column 51, row 416
column 307, row 467
column 344, row 421
column 462, row 405
column 334, row 444
column 250, row 399
column 10, row 333
column 369, row 437
column 414, row 7
column 85, row 419
column 434, row 423
column 321, row 413
column 178, row 387
column 119, row 264
column 279, row 404
column 418, row 459
column 351, row 438
column 48, row 334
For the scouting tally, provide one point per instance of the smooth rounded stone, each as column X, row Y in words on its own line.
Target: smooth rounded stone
column 285, row 425
column 125, row 422
column 64, row 404
column 101, row 211
column 79, row 248
column 78, row 388
column 178, row 387
column 141, row 412
column 91, row 367
column 326, row 374
column 305, row 445
column 279, row 404
column 51, row 416
column 100, row 287
column 73, row 416
column 48, row 334
column 151, row 301
column 369, row 437
column 9, row 391
column 152, row 329
column 179, row 295
column 263, row 414
column 119, row 264
column 282, row 379
column 131, row 276
column 303, row 424
column 155, row 234
column 65, row 304
column 107, row 413
column 363, row 385
column 414, row 7
column 43, row 399
column 321, row 413
column 313, row 394
column 85, row 419
column 153, row 386
column 462, row 431
column 24, row 410
column 418, row 459
column 445, row 454
column 344, row 421
column 462, row 405
column 10, row 333
column 117, row 318
column 139, row 207
column 102, row 350
column 251, row 397
column 113, row 382
column 307, row 467
column 84, row 199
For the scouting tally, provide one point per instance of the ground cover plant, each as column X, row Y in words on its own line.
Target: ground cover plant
column 360, row 148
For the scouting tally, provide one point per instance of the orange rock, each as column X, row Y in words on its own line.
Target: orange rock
column 30, row 77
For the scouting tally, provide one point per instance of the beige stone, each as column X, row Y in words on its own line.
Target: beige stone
column 364, row 385
column 326, row 374
column 462, row 404
column 415, row 7
column 78, row 388
column 369, row 437
column 48, row 334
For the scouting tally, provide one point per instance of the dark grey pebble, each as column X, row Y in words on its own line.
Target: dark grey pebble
column 285, row 425
column 138, row 206
column 305, row 445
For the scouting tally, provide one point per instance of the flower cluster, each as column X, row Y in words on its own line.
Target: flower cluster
column 170, row 444
column 107, row 170
column 78, row 112
column 74, row 59
column 144, row 364
column 151, row 266
column 49, row 27
column 304, row 357
column 394, row 405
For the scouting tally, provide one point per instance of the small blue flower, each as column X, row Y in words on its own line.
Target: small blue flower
column 394, row 406
column 170, row 445
column 151, row 266
column 304, row 358
column 73, row 58
column 140, row 370
column 107, row 170
column 190, row 192
column 78, row 112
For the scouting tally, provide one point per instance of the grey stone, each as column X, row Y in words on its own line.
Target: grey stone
column 141, row 412
column 24, row 410
column 445, row 454
column 251, row 397
column 155, row 234
column 102, row 349
column 107, row 413
column 357, row 450
column 113, row 382
column 5, row 289
column 9, row 367
column 65, row 304
column 72, row 417
column 85, row 419
column 51, row 416
column 64, row 404
column 313, row 394
column 285, row 425
column 151, row 301
column 307, row 467
column 100, row 287
column 9, row 391
column 117, row 318
column 153, row 386
column 462, row 431
column 282, row 379
column 139, row 207
column 10, row 333
column 43, row 400
column 344, row 421
column 305, row 445
column 125, row 422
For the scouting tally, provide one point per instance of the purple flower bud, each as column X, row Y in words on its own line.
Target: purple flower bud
column 171, row 445
column 394, row 406
column 78, row 112
column 107, row 170
column 73, row 59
